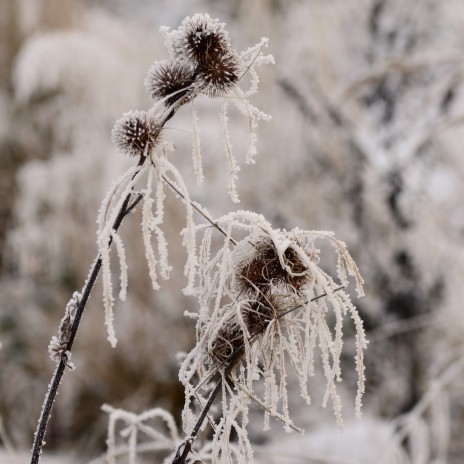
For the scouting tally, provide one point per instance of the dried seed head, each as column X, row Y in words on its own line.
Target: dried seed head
column 218, row 77
column 135, row 133
column 229, row 340
column 201, row 39
column 264, row 269
column 259, row 313
column 170, row 78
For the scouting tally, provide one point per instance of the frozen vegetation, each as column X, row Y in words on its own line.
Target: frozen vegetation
column 225, row 313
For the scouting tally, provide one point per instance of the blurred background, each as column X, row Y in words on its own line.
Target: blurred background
column 366, row 139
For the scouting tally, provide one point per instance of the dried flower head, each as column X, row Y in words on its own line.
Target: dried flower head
column 217, row 77
column 201, row 39
column 227, row 342
column 136, row 133
column 257, row 314
column 170, row 79
column 262, row 267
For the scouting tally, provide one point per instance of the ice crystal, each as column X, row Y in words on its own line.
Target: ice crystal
column 234, row 169
column 196, row 151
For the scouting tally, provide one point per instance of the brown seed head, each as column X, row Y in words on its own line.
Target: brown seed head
column 135, row 133
column 265, row 269
column 202, row 39
column 259, row 313
column 229, row 340
column 170, row 78
column 218, row 77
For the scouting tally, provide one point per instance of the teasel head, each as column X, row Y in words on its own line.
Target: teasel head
column 227, row 347
column 216, row 78
column 261, row 267
column 201, row 39
column 257, row 314
column 171, row 80
column 136, row 133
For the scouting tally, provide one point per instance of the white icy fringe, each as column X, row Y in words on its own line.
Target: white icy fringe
column 196, row 148
column 152, row 431
column 109, row 211
column 289, row 339
column 157, row 261
column 233, row 168
column 250, row 59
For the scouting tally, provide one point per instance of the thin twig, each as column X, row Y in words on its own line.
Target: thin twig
column 197, row 208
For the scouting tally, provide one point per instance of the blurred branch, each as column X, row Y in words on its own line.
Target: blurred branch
column 403, row 64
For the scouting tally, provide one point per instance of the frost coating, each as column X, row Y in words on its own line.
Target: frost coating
column 58, row 346
column 128, row 434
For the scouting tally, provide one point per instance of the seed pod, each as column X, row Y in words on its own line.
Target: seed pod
column 135, row 133
column 228, row 341
column 261, row 268
column 259, row 313
column 201, row 39
column 217, row 77
column 170, row 78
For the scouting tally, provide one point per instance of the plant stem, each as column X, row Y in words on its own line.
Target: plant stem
column 197, row 208
column 59, row 371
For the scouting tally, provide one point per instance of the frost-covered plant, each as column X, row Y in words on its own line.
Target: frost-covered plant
column 202, row 62
column 264, row 303
column 153, row 431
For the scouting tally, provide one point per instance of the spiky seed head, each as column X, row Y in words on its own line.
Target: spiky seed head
column 264, row 268
column 136, row 133
column 217, row 78
column 201, row 39
column 170, row 78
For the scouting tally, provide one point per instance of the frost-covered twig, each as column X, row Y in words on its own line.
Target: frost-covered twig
column 70, row 336
column 201, row 211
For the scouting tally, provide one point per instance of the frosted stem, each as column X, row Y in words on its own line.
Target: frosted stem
column 58, row 375
column 197, row 208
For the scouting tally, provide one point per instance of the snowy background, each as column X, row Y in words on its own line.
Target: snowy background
column 366, row 139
